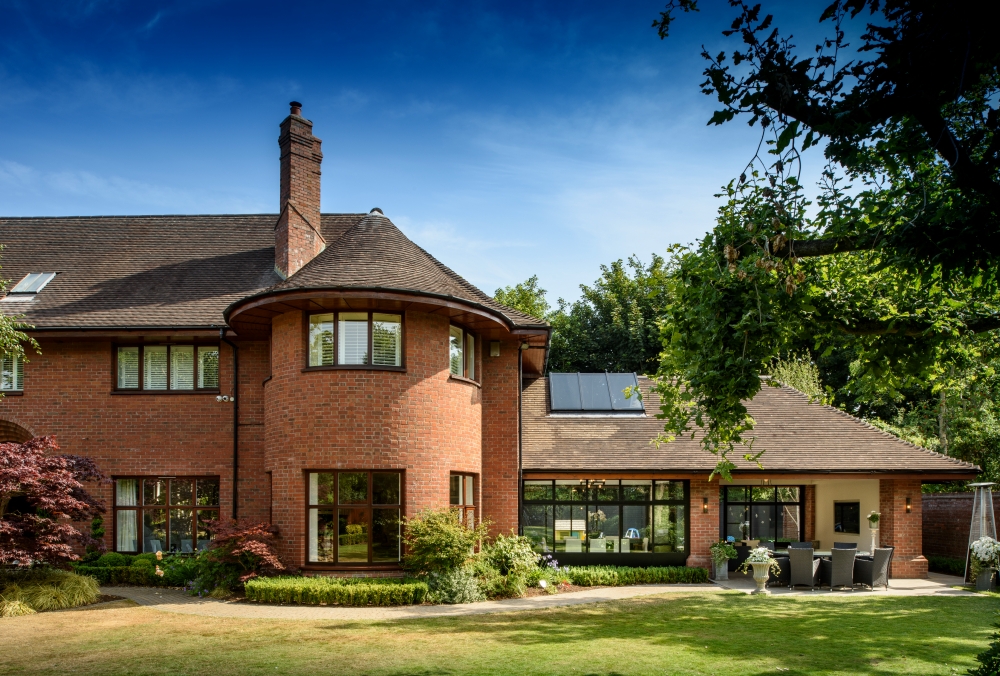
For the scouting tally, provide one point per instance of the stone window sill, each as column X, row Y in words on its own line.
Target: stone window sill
column 463, row 380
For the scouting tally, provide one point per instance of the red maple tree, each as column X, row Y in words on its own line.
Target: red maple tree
column 41, row 495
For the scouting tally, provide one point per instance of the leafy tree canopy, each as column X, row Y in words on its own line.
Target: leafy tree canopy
column 612, row 327
column 895, row 255
column 526, row 297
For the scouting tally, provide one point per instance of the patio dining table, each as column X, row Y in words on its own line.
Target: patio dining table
column 826, row 553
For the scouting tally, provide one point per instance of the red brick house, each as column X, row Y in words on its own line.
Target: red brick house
column 325, row 374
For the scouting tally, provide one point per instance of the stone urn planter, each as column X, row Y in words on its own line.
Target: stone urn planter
column 984, row 580
column 761, row 571
column 721, row 570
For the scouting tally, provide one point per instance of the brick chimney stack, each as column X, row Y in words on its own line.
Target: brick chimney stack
column 297, row 235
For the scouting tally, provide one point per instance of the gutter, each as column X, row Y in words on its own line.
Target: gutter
column 236, row 421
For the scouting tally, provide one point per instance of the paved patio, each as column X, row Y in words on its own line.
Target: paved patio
column 176, row 601
column 935, row 585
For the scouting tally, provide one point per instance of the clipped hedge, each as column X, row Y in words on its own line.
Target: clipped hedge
column 335, row 591
column 619, row 576
column 946, row 564
column 144, row 576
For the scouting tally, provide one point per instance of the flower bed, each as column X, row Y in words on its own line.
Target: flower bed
column 336, row 591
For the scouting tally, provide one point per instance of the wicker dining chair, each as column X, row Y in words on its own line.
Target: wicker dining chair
column 804, row 568
column 842, row 568
column 874, row 570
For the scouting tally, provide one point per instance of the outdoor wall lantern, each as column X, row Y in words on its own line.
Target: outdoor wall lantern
column 909, row 505
column 704, row 505
column 494, row 348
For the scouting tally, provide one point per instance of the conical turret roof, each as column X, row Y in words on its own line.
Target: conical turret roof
column 375, row 254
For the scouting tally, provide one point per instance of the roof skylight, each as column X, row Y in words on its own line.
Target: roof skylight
column 592, row 392
column 33, row 282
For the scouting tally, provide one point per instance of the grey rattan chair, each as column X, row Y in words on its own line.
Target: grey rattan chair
column 842, row 568
column 804, row 568
column 767, row 543
column 845, row 545
column 874, row 570
column 800, row 545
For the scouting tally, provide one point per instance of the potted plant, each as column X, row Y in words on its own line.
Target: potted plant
column 763, row 565
column 986, row 552
column 721, row 552
column 873, row 519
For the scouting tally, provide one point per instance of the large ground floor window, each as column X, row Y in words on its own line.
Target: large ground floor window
column 771, row 513
column 621, row 516
column 353, row 517
column 168, row 514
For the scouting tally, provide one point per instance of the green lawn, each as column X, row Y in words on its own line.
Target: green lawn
column 729, row 634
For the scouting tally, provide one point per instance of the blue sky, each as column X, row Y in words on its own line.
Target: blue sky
column 508, row 139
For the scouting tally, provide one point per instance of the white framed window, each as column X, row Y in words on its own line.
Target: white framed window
column 461, row 353
column 355, row 339
column 11, row 373
column 175, row 368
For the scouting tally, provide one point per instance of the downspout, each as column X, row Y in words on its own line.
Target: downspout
column 520, row 481
column 236, row 421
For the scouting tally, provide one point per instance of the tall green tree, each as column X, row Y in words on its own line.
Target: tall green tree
column 895, row 255
column 527, row 297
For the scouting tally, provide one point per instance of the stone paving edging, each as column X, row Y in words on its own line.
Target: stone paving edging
column 177, row 601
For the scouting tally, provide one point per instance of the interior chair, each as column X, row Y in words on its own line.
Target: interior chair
column 804, row 568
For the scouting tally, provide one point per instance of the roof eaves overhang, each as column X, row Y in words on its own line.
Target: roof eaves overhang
column 742, row 475
column 95, row 331
column 266, row 297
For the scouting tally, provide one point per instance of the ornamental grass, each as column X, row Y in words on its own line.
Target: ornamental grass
column 336, row 591
column 55, row 591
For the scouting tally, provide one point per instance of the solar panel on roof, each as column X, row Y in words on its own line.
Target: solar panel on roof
column 594, row 392
column 564, row 392
column 617, row 383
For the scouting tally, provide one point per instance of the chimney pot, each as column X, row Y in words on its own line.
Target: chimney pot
column 296, row 108
column 376, row 210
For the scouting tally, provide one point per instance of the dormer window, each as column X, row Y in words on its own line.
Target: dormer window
column 33, row 282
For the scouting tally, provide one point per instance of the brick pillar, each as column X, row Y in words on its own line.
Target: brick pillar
column 900, row 529
column 810, row 513
column 500, row 388
column 704, row 527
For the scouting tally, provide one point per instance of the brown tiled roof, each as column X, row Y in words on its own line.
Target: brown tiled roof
column 797, row 436
column 374, row 254
column 141, row 271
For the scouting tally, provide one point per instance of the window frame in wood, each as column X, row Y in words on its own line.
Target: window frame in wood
column 334, row 509
column 470, row 353
column 16, row 370
column 140, row 508
column 370, row 357
column 460, row 500
column 141, row 388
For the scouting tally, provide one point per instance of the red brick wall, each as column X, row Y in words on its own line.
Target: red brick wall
column 900, row 529
column 947, row 518
column 68, row 393
column 420, row 421
column 704, row 527
column 500, row 437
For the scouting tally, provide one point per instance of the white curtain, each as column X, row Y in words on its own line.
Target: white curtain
column 127, row 541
